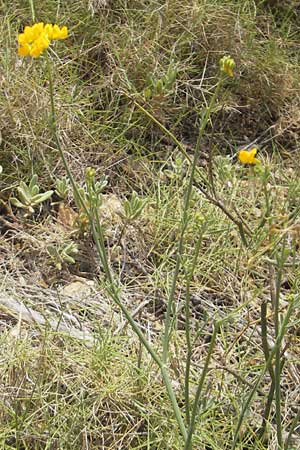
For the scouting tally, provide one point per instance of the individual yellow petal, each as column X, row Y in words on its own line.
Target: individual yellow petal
column 22, row 39
column 49, row 30
column 60, row 33
column 24, row 50
column 56, row 32
column 63, row 33
column 253, row 152
column 43, row 41
column 37, row 30
column 36, row 51
column 28, row 34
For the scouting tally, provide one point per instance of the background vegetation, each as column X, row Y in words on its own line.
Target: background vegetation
column 73, row 374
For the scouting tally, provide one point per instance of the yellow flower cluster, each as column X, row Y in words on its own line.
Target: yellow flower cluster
column 248, row 156
column 34, row 40
column 227, row 65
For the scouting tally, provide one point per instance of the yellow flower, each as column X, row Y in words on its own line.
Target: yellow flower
column 248, row 156
column 35, row 39
column 60, row 33
column 227, row 65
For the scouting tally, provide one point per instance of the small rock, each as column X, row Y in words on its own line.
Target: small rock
column 111, row 208
column 78, row 288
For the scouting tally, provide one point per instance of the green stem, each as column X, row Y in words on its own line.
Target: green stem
column 99, row 238
column 55, row 134
column 188, row 332
column 184, row 223
column 268, row 406
column 188, row 443
column 295, row 422
column 265, row 368
column 189, row 352
column 267, row 215
column 32, row 8
column 278, row 350
column 97, row 233
column 266, row 350
column 264, row 335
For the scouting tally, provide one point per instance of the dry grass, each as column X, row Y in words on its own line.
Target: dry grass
column 72, row 374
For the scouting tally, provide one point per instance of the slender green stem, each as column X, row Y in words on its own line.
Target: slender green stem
column 184, row 223
column 189, row 352
column 267, row 215
column 264, row 335
column 99, row 239
column 266, row 350
column 170, row 305
column 268, row 406
column 188, row 443
column 97, row 233
column 55, row 133
column 278, row 349
column 263, row 317
column 188, row 331
column 242, row 234
column 294, row 423
column 265, row 368
column 32, row 8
